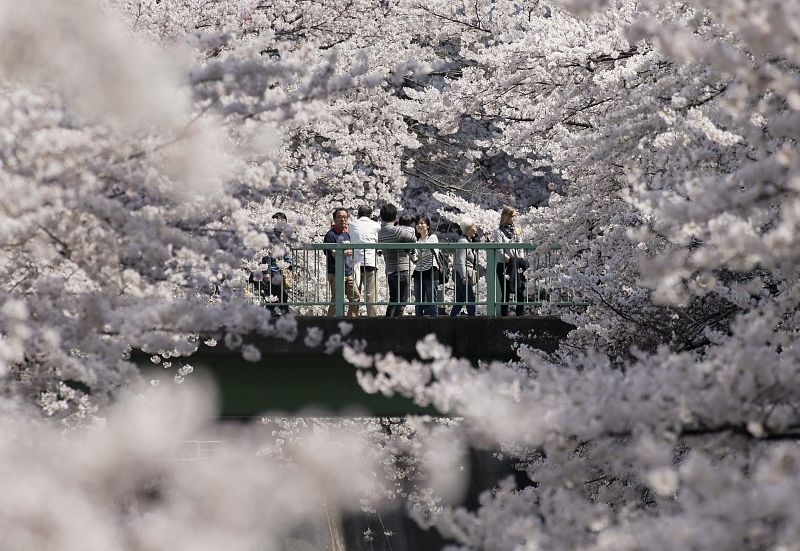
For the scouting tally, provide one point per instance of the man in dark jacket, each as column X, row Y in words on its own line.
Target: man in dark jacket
column 339, row 234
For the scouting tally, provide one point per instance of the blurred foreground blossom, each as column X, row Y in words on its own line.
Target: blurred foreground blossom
column 130, row 485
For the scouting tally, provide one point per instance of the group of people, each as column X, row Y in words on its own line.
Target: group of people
column 426, row 268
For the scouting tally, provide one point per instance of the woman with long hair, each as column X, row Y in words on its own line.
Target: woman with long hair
column 426, row 272
column 510, row 264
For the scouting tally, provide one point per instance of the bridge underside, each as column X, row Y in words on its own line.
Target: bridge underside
column 293, row 378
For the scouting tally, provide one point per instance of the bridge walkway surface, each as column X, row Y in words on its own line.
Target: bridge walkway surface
column 295, row 379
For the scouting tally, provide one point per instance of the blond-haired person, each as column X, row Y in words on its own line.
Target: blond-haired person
column 510, row 263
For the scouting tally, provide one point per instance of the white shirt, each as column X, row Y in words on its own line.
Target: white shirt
column 364, row 230
column 426, row 260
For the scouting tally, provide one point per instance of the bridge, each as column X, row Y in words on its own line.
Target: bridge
column 309, row 376
column 310, row 371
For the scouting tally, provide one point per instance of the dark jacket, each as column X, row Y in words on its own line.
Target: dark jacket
column 333, row 237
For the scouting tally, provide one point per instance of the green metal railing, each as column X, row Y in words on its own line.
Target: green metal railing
column 310, row 293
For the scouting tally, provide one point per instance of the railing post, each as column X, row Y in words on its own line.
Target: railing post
column 491, row 282
column 339, row 283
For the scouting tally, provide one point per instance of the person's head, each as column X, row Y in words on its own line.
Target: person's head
column 280, row 223
column 340, row 217
column 423, row 226
column 469, row 228
column 507, row 215
column 406, row 220
column 364, row 211
column 388, row 212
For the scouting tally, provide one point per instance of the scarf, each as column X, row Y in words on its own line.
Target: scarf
column 509, row 231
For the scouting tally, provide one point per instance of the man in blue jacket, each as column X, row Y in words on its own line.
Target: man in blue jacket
column 339, row 234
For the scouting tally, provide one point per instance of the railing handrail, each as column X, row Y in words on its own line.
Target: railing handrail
column 491, row 252
column 443, row 245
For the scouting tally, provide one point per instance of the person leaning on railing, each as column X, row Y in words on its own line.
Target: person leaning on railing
column 426, row 273
column 465, row 270
column 511, row 263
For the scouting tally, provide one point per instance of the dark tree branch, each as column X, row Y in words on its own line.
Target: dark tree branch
column 451, row 19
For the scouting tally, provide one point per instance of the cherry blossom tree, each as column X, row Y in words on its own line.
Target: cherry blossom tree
column 145, row 145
